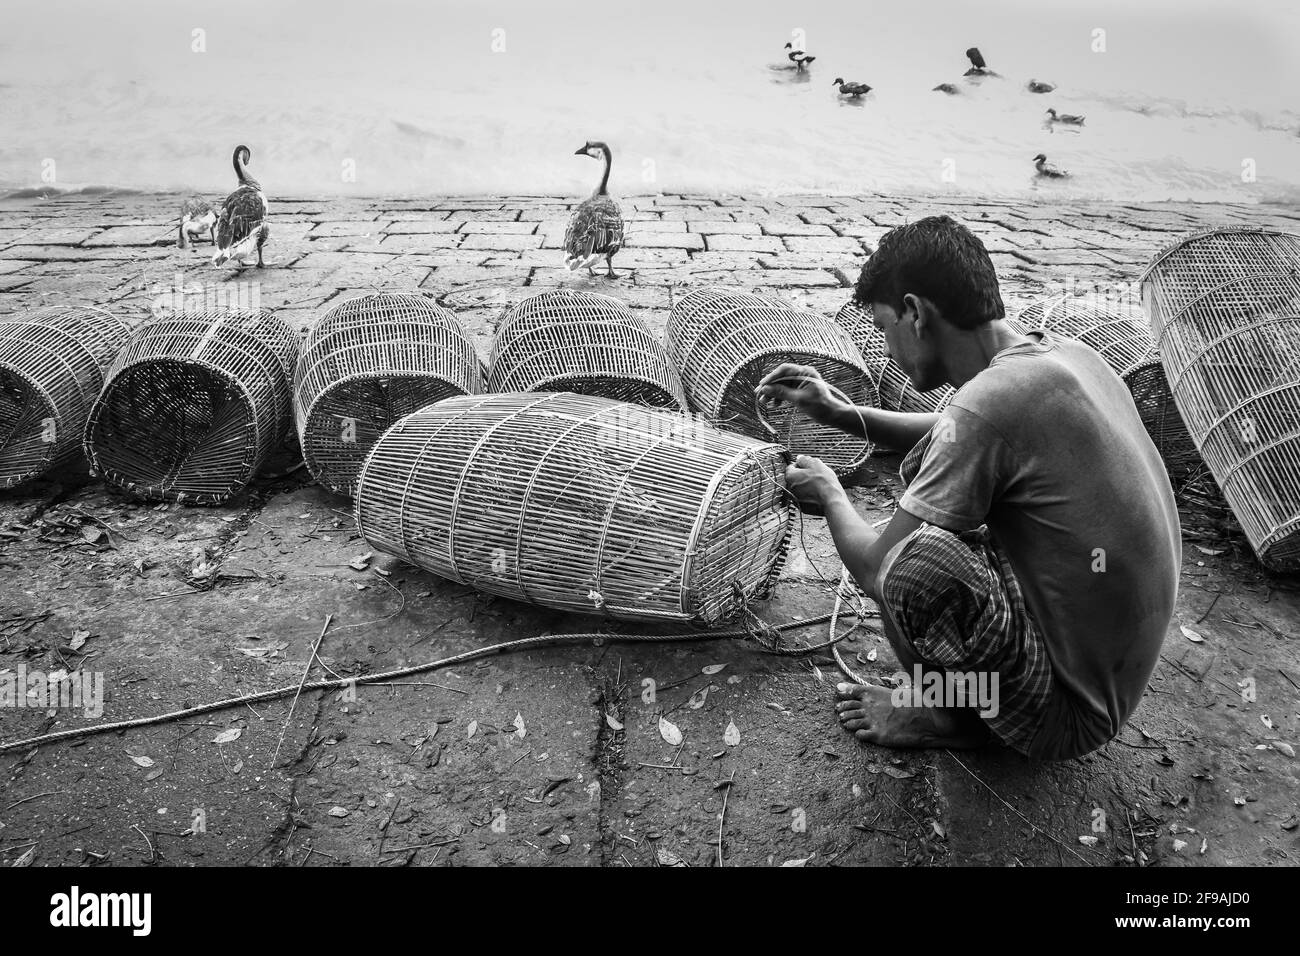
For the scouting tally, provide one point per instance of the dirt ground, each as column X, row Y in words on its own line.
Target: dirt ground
column 554, row 756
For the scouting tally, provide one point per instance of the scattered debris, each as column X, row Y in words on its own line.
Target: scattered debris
column 731, row 736
column 669, row 732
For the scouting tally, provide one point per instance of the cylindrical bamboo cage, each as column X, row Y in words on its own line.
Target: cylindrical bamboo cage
column 581, row 504
column 193, row 405
column 1120, row 334
column 366, row 363
column 895, row 390
column 52, row 364
column 723, row 342
column 574, row 341
column 1225, row 308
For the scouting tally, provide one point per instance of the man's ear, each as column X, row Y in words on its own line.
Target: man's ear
column 920, row 310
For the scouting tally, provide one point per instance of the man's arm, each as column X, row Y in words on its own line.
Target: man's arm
column 896, row 430
column 861, row 547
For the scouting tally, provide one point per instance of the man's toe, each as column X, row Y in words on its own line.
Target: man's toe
column 847, row 691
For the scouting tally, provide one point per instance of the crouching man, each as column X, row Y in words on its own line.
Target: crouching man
column 1037, row 542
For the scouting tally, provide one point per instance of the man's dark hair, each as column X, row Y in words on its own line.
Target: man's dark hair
column 938, row 259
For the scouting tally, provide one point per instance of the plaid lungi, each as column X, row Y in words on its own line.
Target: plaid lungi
column 954, row 600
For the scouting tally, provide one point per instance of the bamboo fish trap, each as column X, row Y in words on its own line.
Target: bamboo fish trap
column 581, row 504
column 369, row 361
column 723, row 342
column 1122, row 337
column 895, row 390
column 193, row 405
column 52, row 364
column 1225, row 308
column 583, row 342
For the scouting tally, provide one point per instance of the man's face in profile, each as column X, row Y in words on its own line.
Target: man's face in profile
column 913, row 353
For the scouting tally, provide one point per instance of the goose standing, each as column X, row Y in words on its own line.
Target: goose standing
column 596, row 228
column 242, row 226
column 851, row 89
column 197, row 217
column 799, row 58
column 1068, row 119
column 1047, row 170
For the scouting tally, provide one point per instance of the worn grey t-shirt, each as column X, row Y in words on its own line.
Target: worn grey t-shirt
column 1045, row 446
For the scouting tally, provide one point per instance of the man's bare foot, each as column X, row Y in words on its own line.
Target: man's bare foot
column 869, row 713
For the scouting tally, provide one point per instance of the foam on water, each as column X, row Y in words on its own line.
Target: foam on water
column 416, row 100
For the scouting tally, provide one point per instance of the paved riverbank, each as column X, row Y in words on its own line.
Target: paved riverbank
column 436, row 770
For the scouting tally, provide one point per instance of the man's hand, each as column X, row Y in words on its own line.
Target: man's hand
column 803, row 387
column 811, row 481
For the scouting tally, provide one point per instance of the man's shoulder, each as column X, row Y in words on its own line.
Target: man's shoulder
column 1030, row 380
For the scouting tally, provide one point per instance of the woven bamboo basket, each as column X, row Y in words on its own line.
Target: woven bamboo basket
column 193, row 405
column 583, row 342
column 581, row 504
column 1225, row 308
column 895, row 390
column 1123, row 338
column 723, row 342
column 369, row 361
column 52, row 365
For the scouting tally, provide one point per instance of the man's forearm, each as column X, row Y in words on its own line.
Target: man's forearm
column 853, row 539
column 896, row 430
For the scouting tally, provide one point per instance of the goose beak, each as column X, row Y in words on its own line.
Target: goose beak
column 582, row 151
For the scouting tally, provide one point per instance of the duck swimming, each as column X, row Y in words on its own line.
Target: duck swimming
column 596, row 228
column 851, row 89
column 1036, row 86
column 1047, row 170
column 1067, row 118
column 242, row 225
column 977, row 65
column 197, row 217
column 946, row 88
column 799, row 58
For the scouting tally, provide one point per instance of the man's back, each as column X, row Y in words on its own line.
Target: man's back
column 1046, row 447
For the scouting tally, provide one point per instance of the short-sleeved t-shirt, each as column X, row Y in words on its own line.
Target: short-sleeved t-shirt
column 1045, row 446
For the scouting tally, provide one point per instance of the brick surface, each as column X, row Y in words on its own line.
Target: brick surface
column 731, row 243
column 285, row 548
column 486, row 241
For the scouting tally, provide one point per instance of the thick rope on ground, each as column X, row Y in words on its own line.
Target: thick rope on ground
column 542, row 640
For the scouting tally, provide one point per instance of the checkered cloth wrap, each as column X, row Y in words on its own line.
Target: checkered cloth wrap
column 955, row 600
